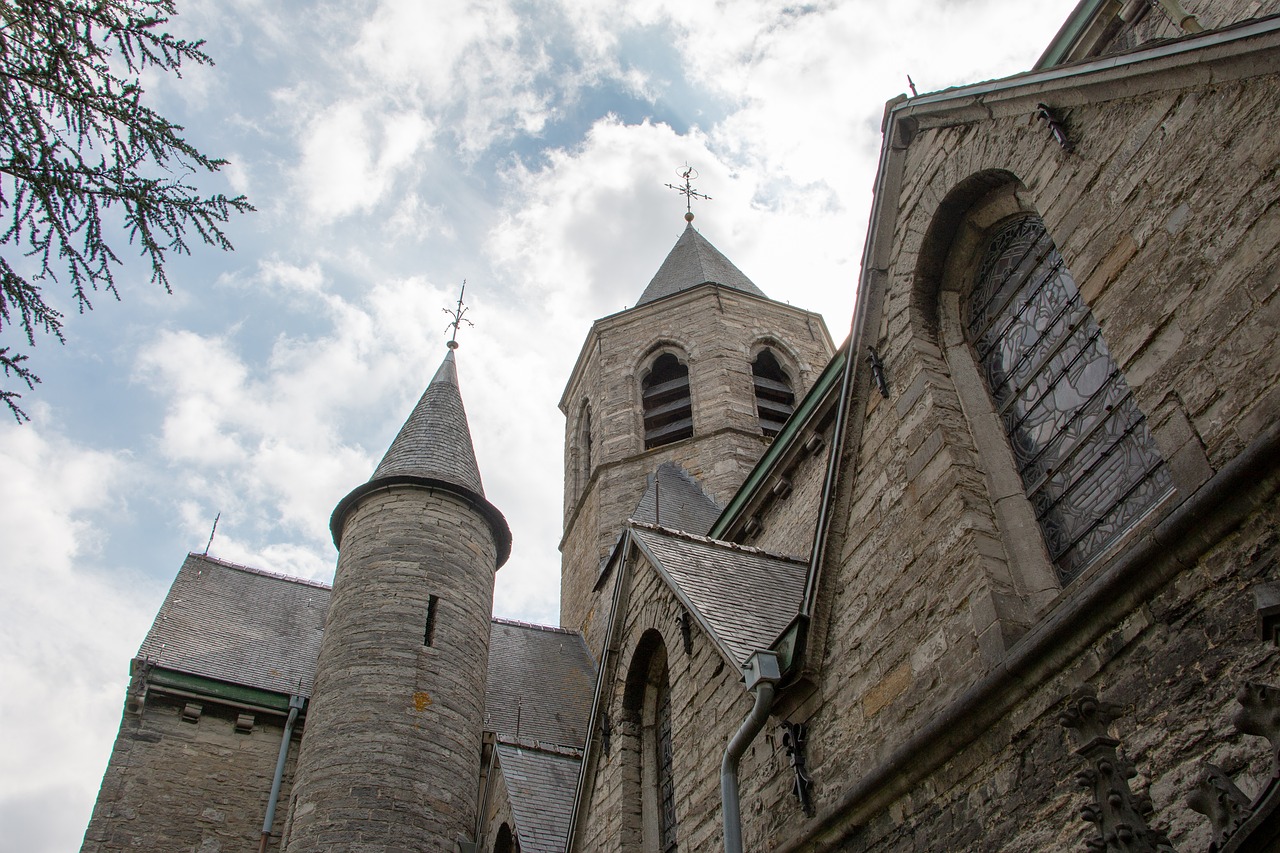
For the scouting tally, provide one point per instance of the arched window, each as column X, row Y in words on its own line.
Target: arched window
column 647, row 730
column 583, row 448
column 1082, row 446
column 775, row 401
column 506, row 842
column 668, row 409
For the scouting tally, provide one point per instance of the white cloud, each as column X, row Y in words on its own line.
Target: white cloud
column 67, row 631
column 353, row 153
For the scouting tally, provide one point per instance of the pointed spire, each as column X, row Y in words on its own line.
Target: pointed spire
column 691, row 262
column 435, row 442
column 433, row 450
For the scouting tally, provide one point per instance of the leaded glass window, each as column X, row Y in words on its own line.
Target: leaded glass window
column 1082, row 446
column 666, row 783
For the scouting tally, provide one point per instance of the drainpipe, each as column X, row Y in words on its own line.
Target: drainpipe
column 295, row 705
column 761, row 673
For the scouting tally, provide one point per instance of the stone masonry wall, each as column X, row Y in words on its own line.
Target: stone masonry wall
column 787, row 523
column 173, row 786
column 1211, row 14
column 393, row 740
column 1174, row 664
column 1167, row 215
column 708, row 703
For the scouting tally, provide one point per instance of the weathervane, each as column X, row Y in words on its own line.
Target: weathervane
column 459, row 317
column 688, row 191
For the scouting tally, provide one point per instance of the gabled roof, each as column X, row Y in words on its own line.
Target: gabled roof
column 691, row 262
column 745, row 597
column 675, row 499
column 239, row 625
column 539, row 684
column 541, row 788
column 435, row 442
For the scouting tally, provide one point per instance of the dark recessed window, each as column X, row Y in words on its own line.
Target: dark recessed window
column 668, row 409
column 775, row 401
column 429, row 635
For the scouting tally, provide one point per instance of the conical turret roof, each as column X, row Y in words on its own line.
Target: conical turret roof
column 433, row 450
column 435, row 442
column 691, row 262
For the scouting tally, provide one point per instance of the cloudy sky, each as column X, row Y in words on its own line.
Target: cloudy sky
column 394, row 148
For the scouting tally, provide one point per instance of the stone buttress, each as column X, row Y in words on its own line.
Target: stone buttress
column 393, row 736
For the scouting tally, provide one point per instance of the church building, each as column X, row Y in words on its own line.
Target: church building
column 998, row 573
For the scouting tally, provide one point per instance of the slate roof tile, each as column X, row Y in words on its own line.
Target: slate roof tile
column 435, row 441
column 746, row 596
column 541, row 786
column 540, row 684
column 674, row 494
column 239, row 625
column 691, row 262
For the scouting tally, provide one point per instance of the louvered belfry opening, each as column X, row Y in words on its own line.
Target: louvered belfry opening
column 775, row 401
column 668, row 408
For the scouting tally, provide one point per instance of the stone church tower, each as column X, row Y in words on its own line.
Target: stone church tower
column 397, row 711
column 701, row 372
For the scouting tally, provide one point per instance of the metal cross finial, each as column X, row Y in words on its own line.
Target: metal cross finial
column 459, row 317
column 689, row 173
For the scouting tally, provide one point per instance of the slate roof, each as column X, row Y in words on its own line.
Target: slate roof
column 540, row 684
column 677, row 497
column 745, row 596
column 435, row 441
column 541, row 786
column 691, row 262
column 239, row 625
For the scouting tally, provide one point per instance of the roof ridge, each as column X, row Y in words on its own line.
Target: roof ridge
column 553, row 629
column 721, row 543
column 240, row 567
column 557, row 749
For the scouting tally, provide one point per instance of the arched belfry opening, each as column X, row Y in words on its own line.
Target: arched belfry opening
column 668, row 406
column 775, row 399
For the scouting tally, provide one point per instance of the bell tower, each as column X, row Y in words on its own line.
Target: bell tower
column 701, row 372
column 393, row 735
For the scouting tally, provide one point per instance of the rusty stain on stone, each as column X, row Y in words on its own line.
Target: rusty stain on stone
column 421, row 700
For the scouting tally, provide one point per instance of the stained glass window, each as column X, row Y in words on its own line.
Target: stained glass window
column 1082, row 446
column 666, row 784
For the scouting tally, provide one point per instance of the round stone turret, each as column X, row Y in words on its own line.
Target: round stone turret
column 393, row 733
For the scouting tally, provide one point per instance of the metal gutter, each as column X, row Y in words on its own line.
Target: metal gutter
column 1174, row 48
column 296, row 704
column 761, row 674
column 781, row 443
column 199, row 687
column 1070, row 32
